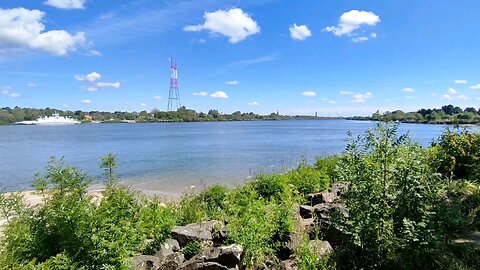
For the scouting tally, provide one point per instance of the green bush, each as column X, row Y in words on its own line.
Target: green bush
column 307, row 179
column 457, row 155
column 391, row 200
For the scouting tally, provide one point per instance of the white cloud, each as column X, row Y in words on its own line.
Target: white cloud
column 332, row 102
column 219, row 94
column 157, row 97
column 108, row 84
column 360, row 98
column 476, row 86
column 408, row 89
column 234, row 24
column 409, row 97
column 352, row 20
column 232, row 82
column 23, row 28
column 95, row 53
column 91, row 77
column 309, row 93
column 462, row 97
column 452, row 91
column 346, row 93
column 86, row 101
column 447, row 96
column 299, row 32
column 460, row 81
column 32, row 85
column 201, row 94
column 92, row 89
column 359, row 39
column 373, row 35
column 143, row 104
column 253, row 103
column 66, row 4
column 7, row 91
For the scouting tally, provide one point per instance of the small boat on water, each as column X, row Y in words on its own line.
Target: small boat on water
column 54, row 119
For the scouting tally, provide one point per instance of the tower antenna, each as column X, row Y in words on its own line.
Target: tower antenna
column 173, row 94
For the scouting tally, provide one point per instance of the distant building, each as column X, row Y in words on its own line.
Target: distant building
column 88, row 117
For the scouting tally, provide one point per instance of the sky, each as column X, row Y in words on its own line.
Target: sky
column 336, row 58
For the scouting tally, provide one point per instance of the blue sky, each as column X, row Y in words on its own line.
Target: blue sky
column 299, row 57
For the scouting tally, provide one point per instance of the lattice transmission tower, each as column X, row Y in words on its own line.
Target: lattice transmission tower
column 173, row 94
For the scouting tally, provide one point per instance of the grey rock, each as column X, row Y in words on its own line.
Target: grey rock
column 290, row 265
column 320, row 248
column 145, row 262
column 322, row 197
column 196, row 232
column 339, row 189
column 169, row 247
column 172, row 261
column 306, row 211
column 225, row 256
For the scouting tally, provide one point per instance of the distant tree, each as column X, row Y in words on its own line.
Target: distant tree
column 448, row 109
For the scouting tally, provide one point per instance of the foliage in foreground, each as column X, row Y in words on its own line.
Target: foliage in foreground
column 406, row 205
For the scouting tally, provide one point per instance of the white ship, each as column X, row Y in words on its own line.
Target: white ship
column 54, row 119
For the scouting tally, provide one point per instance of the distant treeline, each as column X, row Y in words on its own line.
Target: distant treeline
column 448, row 114
column 17, row 114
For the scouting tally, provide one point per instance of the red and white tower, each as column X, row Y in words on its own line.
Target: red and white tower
column 173, row 94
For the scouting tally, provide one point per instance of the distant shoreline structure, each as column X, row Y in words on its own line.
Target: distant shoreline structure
column 54, row 120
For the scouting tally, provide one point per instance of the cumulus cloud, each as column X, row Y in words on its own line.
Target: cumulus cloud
column 460, row 81
column 143, row 104
column 408, row 89
column 309, row 93
column 66, row 4
column 234, row 24
column 447, row 96
column 108, row 84
column 32, row 85
column 360, row 98
column 462, row 97
column 232, row 82
column 91, row 77
column 157, row 97
column 299, row 32
column 452, row 91
column 345, row 93
column 332, row 102
column 352, row 20
column 92, row 89
column 86, row 101
column 253, row 103
column 200, row 94
column 23, row 28
column 7, row 91
column 219, row 94
column 476, row 86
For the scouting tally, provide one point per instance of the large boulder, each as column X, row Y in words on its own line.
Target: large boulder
column 172, row 261
column 321, row 197
column 203, row 231
column 224, row 257
column 169, row 247
column 145, row 262
column 339, row 189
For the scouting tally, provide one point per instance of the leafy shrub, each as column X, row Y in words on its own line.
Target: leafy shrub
column 458, row 155
column 156, row 222
column 390, row 200
column 307, row 179
column 191, row 249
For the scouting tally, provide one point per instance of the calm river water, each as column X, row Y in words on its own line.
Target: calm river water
column 170, row 156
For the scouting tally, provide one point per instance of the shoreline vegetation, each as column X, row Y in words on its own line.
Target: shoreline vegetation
column 17, row 114
column 384, row 203
column 447, row 114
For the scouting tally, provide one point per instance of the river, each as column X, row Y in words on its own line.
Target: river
column 168, row 157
